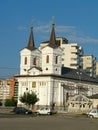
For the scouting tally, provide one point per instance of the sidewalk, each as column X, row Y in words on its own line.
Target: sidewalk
column 6, row 109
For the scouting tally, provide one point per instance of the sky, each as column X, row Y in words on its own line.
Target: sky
column 76, row 20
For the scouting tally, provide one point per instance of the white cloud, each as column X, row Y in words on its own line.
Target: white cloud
column 81, row 39
column 64, row 29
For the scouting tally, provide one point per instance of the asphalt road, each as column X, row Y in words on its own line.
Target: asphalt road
column 55, row 122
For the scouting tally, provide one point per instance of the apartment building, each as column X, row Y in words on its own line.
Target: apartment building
column 4, row 91
column 72, row 55
column 13, row 84
column 97, row 68
column 89, row 65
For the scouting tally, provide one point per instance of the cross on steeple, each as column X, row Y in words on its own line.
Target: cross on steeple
column 53, row 17
column 32, row 21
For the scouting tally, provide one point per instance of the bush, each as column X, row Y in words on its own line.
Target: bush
column 10, row 102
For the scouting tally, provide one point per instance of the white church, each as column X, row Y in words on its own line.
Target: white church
column 41, row 71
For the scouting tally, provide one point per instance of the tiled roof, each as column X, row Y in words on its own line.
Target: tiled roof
column 75, row 74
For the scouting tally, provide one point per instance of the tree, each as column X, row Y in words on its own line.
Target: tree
column 10, row 102
column 29, row 98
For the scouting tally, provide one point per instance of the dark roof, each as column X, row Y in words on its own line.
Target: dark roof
column 76, row 74
column 31, row 45
column 65, row 39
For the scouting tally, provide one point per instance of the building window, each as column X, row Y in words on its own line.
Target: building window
column 56, row 60
column 47, row 59
column 33, row 84
column 42, row 83
column 34, row 61
column 25, row 61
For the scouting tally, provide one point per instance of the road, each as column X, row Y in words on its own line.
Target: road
column 60, row 122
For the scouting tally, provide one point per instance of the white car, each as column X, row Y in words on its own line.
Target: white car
column 93, row 113
column 44, row 110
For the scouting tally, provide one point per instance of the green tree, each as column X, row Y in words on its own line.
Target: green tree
column 29, row 98
column 10, row 102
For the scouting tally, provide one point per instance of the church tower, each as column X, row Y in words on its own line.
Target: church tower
column 30, row 56
column 51, row 56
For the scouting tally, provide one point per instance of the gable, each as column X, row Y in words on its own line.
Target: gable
column 80, row 97
column 35, row 70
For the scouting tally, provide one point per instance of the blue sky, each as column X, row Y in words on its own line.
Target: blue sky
column 76, row 20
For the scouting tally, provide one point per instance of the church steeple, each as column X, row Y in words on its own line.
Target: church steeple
column 31, row 44
column 52, row 41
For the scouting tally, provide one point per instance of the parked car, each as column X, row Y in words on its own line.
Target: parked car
column 21, row 110
column 93, row 113
column 44, row 110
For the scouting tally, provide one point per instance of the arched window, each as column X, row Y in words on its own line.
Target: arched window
column 47, row 59
column 56, row 60
column 25, row 61
column 34, row 61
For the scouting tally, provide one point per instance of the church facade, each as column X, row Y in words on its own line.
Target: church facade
column 41, row 71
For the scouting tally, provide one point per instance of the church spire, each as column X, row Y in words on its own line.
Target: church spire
column 52, row 41
column 31, row 44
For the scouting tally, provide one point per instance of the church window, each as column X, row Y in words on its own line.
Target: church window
column 56, row 60
column 33, row 84
column 34, row 61
column 47, row 59
column 42, row 83
column 25, row 61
